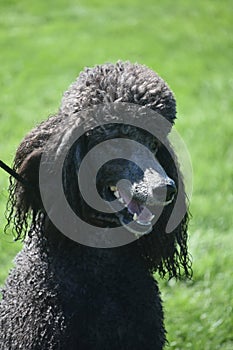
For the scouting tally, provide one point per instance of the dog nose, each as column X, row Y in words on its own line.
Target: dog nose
column 171, row 191
column 165, row 193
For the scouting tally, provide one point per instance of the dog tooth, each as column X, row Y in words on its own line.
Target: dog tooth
column 135, row 216
column 152, row 217
column 113, row 188
column 121, row 200
column 143, row 223
column 117, row 194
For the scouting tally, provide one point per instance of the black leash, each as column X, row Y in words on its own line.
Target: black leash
column 14, row 174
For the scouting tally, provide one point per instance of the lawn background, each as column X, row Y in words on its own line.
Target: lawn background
column 44, row 45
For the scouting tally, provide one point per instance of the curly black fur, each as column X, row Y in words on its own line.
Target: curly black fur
column 62, row 295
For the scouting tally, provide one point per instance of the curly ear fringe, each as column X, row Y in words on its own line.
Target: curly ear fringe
column 15, row 214
column 180, row 264
column 167, row 254
column 19, row 213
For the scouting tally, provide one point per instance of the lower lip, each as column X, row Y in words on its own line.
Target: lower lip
column 130, row 227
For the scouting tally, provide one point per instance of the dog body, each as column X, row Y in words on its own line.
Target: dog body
column 64, row 294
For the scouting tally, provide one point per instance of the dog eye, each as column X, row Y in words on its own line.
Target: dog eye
column 154, row 146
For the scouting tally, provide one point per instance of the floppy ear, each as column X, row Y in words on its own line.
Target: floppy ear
column 167, row 252
column 24, row 198
column 24, row 203
column 28, row 196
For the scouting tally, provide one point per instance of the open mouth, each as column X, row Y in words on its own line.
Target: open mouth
column 134, row 216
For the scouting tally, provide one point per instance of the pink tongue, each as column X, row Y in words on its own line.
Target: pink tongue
column 144, row 214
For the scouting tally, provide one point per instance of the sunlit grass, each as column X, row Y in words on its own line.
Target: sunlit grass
column 44, row 46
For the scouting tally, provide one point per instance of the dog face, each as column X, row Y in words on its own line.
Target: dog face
column 139, row 183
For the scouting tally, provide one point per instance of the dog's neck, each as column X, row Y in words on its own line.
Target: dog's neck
column 62, row 250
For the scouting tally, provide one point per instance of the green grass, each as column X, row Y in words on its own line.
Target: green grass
column 44, row 45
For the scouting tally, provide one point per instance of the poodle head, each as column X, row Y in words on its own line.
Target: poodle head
column 140, row 179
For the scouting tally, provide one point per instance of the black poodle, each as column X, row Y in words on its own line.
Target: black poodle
column 81, row 290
